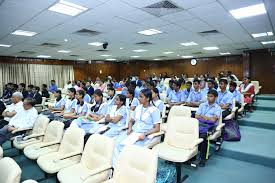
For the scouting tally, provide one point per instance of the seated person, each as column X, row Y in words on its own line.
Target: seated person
column 90, row 89
column 22, row 89
column 70, row 102
column 44, row 91
column 247, row 89
column 52, row 87
column 170, row 88
column 2, row 109
column 208, row 112
column 30, row 91
column 176, row 97
column 97, row 113
column 131, row 101
column 13, row 109
column 7, row 93
column 87, row 97
column 59, row 104
column 236, row 94
column 111, row 97
column 188, row 89
column 117, row 116
column 156, row 100
column 23, row 119
column 80, row 109
column 144, row 121
column 36, row 95
column 225, row 98
column 196, row 96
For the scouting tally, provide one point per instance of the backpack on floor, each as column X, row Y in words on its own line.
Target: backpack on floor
column 166, row 172
column 232, row 131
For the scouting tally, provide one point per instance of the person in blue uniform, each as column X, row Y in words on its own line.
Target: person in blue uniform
column 131, row 101
column 59, row 103
column 225, row 98
column 176, row 97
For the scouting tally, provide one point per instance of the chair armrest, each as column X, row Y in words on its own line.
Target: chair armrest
column 26, row 141
column 34, row 135
column 96, row 171
column 196, row 143
column 234, row 109
column 156, row 134
column 48, row 144
column 260, row 87
column 65, row 156
column 220, row 126
column 21, row 130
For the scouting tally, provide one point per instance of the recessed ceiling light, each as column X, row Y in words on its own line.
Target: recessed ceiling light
column 150, row 32
column 95, row 44
column 189, row 44
column 178, row 55
column 80, row 59
column 135, row 56
column 211, row 48
column 140, row 50
column 43, row 56
column 157, row 59
column 66, row 40
column 188, row 56
column 268, row 42
column 64, row 51
column 5, row 45
column 248, row 11
column 225, row 53
column 67, row 8
column 105, row 55
column 168, row 52
column 24, row 33
column 111, row 59
column 121, row 48
column 262, row 34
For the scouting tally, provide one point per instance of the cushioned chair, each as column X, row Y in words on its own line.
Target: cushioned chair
column 95, row 164
column 10, row 171
column 50, row 142
column 36, row 135
column 176, row 111
column 217, row 136
column 135, row 170
column 68, row 154
column 1, row 152
column 40, row 107
column 180, row 143
column 257, row 87
column 232, row 115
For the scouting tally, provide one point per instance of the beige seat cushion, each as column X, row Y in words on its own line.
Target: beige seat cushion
column 1, row 152
column 10, row 172
column 109, row 181
column 48, row 164
column 20, row 146
column 74, row 173
column 33, row 152
column 174, row 154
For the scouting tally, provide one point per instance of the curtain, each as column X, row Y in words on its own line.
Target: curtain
column 35, row 74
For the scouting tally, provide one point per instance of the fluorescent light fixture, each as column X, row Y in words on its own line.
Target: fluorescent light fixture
column 43, row 56
column 168, row 52
column 262, row 34
column 67, row 8
column 188, row 56
column 64, row 51
column 189, row 44
column 95, row 44
column 249, row 11
column 111, row 59
column 135, row 56
column 121, row 48
column 157, row 59
column 5, row 45
column 80, row 59
column 140, row 50
column 105, row 55
column 225, row 53
column 24, row 33
column 150, row 32
column 211, row 48
column 66, row 40
column 268, row 42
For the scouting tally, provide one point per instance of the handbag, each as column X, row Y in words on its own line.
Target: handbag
column 232, row 131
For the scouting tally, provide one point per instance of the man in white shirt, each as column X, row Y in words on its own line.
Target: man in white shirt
column 13, row 109
column 23, row 119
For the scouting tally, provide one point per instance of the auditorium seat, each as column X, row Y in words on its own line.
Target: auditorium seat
column 135, row 170
column 36, row 135
column 68, row 154
column 95, row 164
column 10, row 171
column 181, row 141
column 1, row 152
column 50, row 143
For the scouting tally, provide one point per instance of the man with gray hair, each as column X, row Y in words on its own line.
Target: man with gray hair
column 13, row 109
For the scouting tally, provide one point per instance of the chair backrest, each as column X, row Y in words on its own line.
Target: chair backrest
column 10, row 171
column 256, row 86
column 163, row 97
column 179, row 111
column 242, row 99
column 98, row 151
column 182, row 132
column 73, row 141
column 1, row 152
column 54, row 132
column 43, row 101
column 40, row 124
column 136, row 170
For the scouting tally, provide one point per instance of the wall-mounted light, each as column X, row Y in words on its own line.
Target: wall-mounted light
column 100, row 71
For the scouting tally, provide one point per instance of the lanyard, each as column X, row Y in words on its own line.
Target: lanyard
column 206, row 111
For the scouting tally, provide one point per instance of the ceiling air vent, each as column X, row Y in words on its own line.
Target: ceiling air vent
column 101, row 50
column 209, row 33
column 162, row 56
column 27, row 52
column 162, row 8
column 196, row 53
column 52, row 45
column 87, row 32
column 242, row 49
column 74, row 55
column 143, row 43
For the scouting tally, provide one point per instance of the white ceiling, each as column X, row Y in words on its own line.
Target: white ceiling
column 120, row 20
